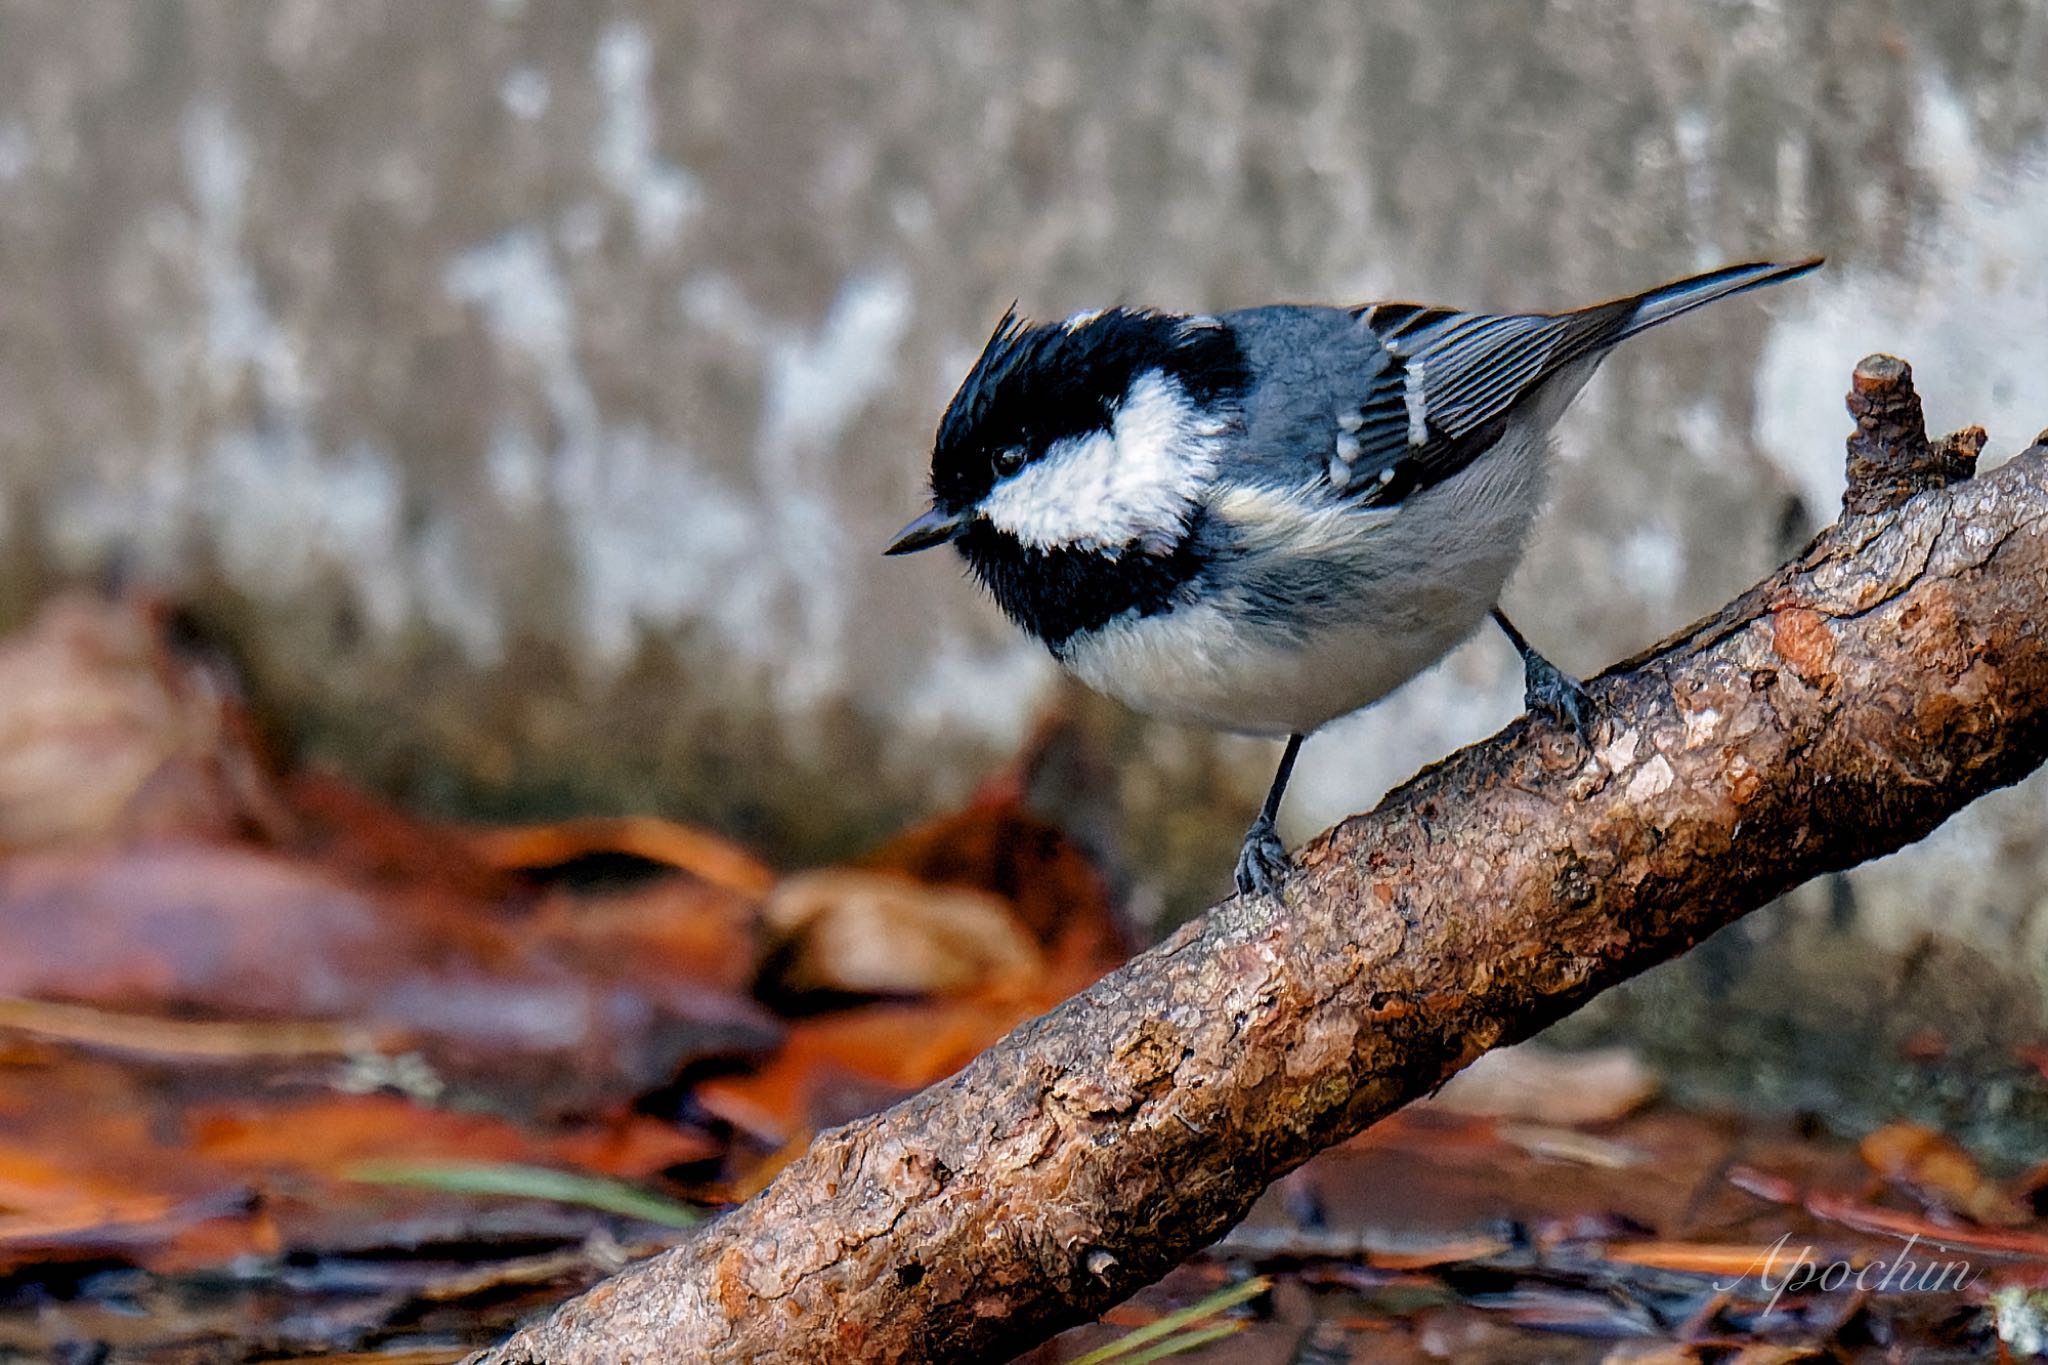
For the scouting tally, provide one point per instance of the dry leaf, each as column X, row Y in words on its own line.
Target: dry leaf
column 1939, row 1174
column 674, row 932
column 1547, row 1143
column 1722, row 1260
column 330, row 1133
column 1852, row 1213
column 876, row 933
column 841, row 1065
column 240, row 933
column 106, row 732
column 718, row 862
column 995, row 845
column 1544, row 1085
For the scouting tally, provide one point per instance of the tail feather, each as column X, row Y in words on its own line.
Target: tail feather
column 1668, row 301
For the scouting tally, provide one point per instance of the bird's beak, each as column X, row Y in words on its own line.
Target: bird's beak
column 933, row 528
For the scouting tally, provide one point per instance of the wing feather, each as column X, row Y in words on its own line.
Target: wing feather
column 1455, row 379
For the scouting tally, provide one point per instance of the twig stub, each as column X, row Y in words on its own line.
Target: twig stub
column 1890, row 457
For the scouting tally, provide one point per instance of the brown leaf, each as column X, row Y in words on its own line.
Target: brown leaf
column 329, row 1133
column 1772, row 1189
column 1939, row 1174
column 90, row 1165
column 838, row 1066
column 1766, row 1353
column 1852, row 1213
column 1421, row 1253
column 242, row 934
column 1720, row 1259
column 352, row 831
column 1545, row 1085
column 878, row 933
column 674, row 932
column 1547, row 1143
column 107, row 732
column 181, row 1039
column 1651, row 1353
column 995, row 845
column 705, row 856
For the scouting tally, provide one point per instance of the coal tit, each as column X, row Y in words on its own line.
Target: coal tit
column 1264, row 520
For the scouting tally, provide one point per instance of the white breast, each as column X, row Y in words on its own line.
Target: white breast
column 1257, row 656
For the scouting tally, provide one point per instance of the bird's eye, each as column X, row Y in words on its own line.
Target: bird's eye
column 1009, row 461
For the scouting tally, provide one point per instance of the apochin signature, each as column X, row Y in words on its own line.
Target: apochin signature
column 1781, row 1271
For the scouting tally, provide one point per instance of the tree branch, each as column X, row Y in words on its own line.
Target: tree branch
column 1838, row 711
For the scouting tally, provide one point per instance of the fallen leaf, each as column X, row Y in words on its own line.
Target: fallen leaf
column 1772, row 1189
column 1938, row 1173
column 1563, row 1144
column 877, row 933
column 331, row 1133
column 1564, row 1310
column 634, row 1145
column 1387, row 1253
column 705, row 856
column 349, row 830
column 838, row 1066
column 1545, row 1085
column 237, row 933
column 109, row 732
column 1723, row 1260
column 191, row 1039
column 1852, row 1213
column 132, row 1224
column 675, row 932
column 995, row 845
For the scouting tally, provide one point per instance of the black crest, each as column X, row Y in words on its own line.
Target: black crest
column 1038, row 384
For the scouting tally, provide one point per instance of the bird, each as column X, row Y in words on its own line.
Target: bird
column 1262, row 520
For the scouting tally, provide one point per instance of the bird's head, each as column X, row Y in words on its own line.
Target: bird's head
column 1089, row 435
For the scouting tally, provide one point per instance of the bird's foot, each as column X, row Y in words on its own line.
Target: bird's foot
column 1557, row 696
column 1262, row 862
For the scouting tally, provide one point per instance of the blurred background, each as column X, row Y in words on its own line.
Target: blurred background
column 522, row 390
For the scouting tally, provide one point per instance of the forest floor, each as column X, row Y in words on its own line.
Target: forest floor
column 287, row 1073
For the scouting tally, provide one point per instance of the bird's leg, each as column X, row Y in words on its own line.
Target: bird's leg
column 1262, row 862
column 1548, row 690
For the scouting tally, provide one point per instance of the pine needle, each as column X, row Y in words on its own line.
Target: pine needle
column 529, row 1182
column 1160, row 1336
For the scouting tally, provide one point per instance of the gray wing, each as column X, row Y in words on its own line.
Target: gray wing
column 1454, row 380
column 1378, row 402
column 1381, row 401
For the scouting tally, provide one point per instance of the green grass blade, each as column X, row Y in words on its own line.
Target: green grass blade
column 1120, row 1350
column 528, row 1182
column 1186, row 1341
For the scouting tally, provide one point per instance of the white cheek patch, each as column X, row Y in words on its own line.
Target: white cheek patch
column 1135, row 482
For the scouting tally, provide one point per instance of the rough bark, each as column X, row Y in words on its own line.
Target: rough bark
column 1837, row 711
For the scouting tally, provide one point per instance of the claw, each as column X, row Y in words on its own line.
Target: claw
column 1262, row 863
column 1550, row 692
